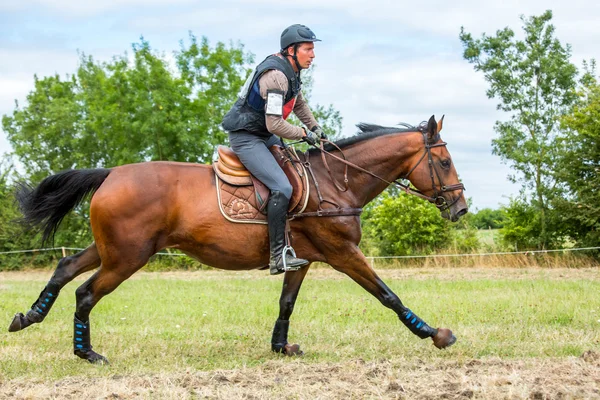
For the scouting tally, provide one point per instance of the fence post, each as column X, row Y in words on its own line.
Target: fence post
column 372, row 259
column 64, row 253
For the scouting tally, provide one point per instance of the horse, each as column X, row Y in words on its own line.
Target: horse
column 139, row 209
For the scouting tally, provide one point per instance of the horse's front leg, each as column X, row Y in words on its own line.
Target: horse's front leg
column 353, row 263
column 291, row 286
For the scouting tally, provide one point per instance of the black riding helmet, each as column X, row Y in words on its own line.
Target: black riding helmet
column 294, row 35
column 297, row 34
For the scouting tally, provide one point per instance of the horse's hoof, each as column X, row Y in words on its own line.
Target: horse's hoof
column 292, row 350
column 92, row 357
column 17, row 323
column 444, row 338
column 98, row 360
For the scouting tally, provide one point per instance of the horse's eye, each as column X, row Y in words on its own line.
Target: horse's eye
column 445, row 164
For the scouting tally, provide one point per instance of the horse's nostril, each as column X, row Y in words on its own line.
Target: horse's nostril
column 462, row 212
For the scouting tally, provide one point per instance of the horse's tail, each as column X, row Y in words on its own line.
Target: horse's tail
column 45, row 206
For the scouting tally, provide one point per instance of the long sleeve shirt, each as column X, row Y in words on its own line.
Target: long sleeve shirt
column 277, row 80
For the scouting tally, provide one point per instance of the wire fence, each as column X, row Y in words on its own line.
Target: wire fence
column 64, row 251
column 372, row 258
column 571, row 250
column 488, row 254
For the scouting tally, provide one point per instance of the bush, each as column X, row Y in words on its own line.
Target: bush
column 397, row 224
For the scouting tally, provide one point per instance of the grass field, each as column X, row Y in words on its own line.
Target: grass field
column 522, row 333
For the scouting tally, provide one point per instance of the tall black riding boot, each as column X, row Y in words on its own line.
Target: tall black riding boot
column 276, row 217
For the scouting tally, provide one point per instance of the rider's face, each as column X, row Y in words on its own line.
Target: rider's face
column 305, row 54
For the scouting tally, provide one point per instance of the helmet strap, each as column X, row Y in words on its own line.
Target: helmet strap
column 295, row 57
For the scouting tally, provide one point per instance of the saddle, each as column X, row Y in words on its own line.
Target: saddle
column 243, row 198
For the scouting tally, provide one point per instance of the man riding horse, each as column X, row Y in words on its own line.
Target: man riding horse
column 257, row 121
column 139, row 209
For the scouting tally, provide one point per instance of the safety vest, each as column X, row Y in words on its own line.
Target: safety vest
column 248, row 112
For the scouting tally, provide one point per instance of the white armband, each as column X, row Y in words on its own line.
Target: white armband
column 274, row 105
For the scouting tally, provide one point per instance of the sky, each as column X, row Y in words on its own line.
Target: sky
column 379, row 61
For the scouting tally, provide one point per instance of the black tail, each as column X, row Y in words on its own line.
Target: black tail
column 45, row 206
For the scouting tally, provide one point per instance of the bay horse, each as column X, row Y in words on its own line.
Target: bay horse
column 138, row 209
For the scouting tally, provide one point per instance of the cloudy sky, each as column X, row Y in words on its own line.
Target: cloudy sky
column 380, row 61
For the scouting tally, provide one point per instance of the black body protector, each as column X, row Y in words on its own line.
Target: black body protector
column 249, row 111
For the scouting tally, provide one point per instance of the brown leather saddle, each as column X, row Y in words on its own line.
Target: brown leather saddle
column 243, row 198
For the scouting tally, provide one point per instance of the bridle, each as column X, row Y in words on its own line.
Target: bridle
column 437, row 198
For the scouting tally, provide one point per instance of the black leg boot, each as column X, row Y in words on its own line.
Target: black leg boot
column 276, row 217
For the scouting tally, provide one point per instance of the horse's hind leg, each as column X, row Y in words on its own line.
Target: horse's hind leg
column 291, row 286
column 68, row 268
column 115, row 269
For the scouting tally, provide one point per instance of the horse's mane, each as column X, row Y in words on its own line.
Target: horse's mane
column 370, row 131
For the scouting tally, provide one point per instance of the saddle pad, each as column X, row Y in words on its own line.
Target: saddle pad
column 240, row 204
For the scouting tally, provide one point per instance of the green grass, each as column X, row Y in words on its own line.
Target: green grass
column 207, row 320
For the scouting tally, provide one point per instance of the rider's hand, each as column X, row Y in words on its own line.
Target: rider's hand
column 311, row 138
column 319, row 131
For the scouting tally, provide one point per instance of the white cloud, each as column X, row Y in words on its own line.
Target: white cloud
column 24, row 61
column 12, row 89
column 75, row 8
column 16, row 76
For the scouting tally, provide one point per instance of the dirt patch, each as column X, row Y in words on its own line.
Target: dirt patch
column 492, row 273
column 297, row 379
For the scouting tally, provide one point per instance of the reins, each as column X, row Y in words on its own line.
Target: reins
column 437, row 198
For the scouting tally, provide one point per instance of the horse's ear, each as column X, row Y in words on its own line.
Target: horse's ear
column 440, row 124
column 431, row 128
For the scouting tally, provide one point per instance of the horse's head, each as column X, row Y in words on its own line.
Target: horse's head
column 434, row 175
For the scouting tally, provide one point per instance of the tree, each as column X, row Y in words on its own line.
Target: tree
column 328, row 117
column 579, row 166
column 522, row 225
column 12, row 235
column 127, row 111
column 536, row 83
column 487, row 218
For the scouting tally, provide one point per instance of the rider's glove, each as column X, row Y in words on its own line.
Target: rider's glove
column 319, row 131
column 311, row 137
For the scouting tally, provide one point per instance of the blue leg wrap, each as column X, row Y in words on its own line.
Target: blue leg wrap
column 81, row 336
column 41, row 307
column 416, row 325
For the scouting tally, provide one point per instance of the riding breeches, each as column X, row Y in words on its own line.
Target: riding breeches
column 253, row 152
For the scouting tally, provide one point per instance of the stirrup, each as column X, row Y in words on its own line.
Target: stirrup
column 285, row 250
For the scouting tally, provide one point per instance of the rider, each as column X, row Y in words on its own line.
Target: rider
column 257, row 121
